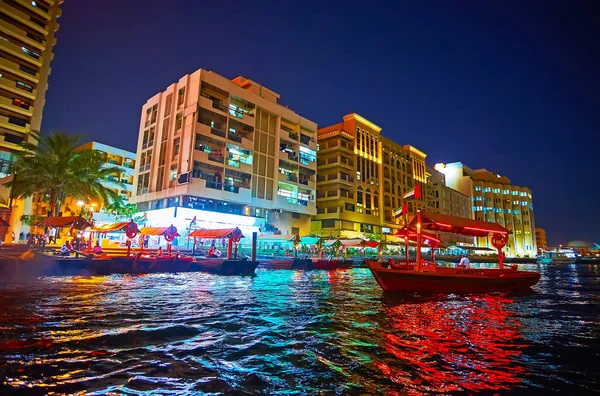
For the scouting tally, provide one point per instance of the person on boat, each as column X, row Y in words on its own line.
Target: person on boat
column 65, row 249
column 31, row 241
column 211, row 252
column 464, row 262
column 159, row 252
column 98, row 248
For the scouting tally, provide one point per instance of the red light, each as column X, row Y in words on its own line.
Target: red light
column 444, row 225
column 483, row 229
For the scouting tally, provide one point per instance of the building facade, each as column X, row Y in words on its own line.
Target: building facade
column 495, row 200
column 361, row 179
column 226, row 153
column 445, row 200
column 540, row 239
column 27, row 33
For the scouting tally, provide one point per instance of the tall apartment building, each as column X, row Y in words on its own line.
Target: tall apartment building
column 120, row 182
column 27, row 37
column 228, row 154
column 495, row 200
column 361, row 179
column 445, row 200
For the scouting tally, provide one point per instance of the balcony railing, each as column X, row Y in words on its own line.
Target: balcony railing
column 217, row 132
column 230, row 188
column 234, row 137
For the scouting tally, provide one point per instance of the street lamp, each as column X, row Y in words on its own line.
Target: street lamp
column 80, row 203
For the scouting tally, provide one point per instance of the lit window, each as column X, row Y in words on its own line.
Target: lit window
column 30, row 53
column 487, row 189
column 496, row 190
column 515, row 193
column 506, row 192
column 477, row 188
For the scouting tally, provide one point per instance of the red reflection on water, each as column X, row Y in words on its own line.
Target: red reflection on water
column 453, row 345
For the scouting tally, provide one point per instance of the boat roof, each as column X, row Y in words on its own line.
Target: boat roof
column 77, row 222
column 457, row 225
column 412, row 235
column 155, row 230
column 111, row 227
column 214, row 233
column 273, row 237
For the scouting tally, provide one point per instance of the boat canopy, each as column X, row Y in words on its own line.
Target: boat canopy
column 110, row 227
column 412, row 235
column 457, row 225
column 472, row 248
column 215, row 233
column 353, row 243
column 275, row 238
column 77, row 222
column 155, row 231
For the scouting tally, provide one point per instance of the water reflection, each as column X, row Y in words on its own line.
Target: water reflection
column 453, row 344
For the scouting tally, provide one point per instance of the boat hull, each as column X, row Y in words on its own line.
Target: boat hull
column 226, row 267
column 287, row 264
column 451, row 280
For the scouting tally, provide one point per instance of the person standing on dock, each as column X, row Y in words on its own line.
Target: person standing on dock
column 464, row 262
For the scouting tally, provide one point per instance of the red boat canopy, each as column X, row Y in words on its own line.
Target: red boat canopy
column 457, row 225
column 76, row 221
column 216, row 233
column 154, row 231
column 412, row 236
column 110, row 227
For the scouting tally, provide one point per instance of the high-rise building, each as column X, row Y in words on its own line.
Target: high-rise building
column 540, row 239
column 27, row 33
column 226, row 153
column 361, row 179
column 495, row 200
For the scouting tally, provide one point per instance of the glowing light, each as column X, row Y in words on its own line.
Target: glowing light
column 483, row 229
column 444, row 225
column 80, row 203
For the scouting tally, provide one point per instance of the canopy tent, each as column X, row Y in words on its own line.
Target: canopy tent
column 310, row 240
column 110, row 227
column 214, row 233
column 411, row 234
column 156, row 231
column 275, row 238
column 76, row 222
column 457, row 225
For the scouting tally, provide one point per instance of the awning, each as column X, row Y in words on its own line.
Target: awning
column 75, row 221
column 154, row 231
column 215, row 233
column 457, row 225
column 110, row 227
column 412, row 235
column 275, row 238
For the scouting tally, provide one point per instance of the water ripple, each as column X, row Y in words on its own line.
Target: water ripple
column 294, row 332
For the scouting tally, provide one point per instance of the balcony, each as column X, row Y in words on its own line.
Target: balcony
column 15, row 124
column 40, row 13
column 17, row 70
column 19, row 89
column 24, row 18
column 16, row 106
column 22, row 35
column 242, row 110
column 19, row 52
column 214, row 104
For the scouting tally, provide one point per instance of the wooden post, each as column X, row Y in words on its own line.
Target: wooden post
column 254, row 238
column 406, row 237
column 419, row 241
column 194, row 247
column 500, row 258
column 142, row 237
column 229, row 248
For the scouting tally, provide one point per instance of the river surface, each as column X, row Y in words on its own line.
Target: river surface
column 295, row 332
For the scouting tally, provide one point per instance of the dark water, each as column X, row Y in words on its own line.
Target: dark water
column 295, row 332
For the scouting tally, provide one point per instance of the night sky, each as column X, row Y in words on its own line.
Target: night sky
column 512, row 88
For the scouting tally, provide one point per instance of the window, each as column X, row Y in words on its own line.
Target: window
column 496, row 190
column 10, row 138
column 329, row 223
column 25, row 87
column 523, row 194
column 359, row 197
column 487, row 189
column 178, row 121
column 17, row 121
column 307, row 155
column 27, row 70
column 181, row 96
column 40, row 6
column 515, row 193
column 29, row 52
column 20, row 103
column 523, row 203
column 175, row 149
column 37, row 22
column 477, row 188
column 506, row 192
column 349, row 207
column 168, row 104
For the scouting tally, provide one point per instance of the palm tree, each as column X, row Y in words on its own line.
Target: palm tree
column 54, row 169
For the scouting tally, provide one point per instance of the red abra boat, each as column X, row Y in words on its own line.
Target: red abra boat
column 427, row 277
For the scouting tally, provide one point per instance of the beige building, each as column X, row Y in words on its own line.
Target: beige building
column 495, row 200
column 226, row 153
column 361, row 179
column 540, row 239
column 27, row 30
column 445, row 200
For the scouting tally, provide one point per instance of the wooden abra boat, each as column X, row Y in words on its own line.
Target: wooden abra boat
column 427, row 277
column 295, row 263
column 325, row 264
